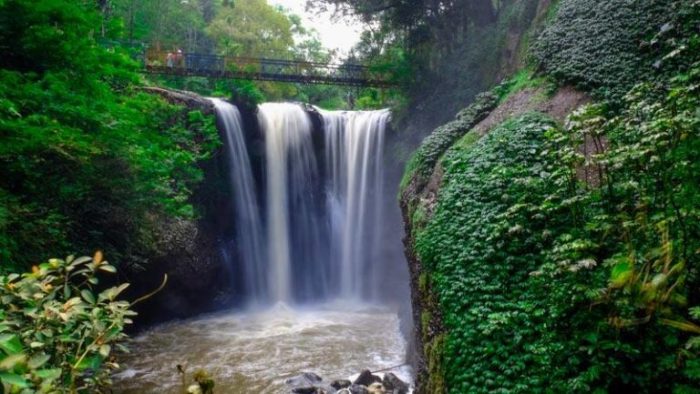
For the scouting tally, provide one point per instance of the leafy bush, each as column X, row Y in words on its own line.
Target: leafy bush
column 604, row 46
column 86, row 159
column 57, row 334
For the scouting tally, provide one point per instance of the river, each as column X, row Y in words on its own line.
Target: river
column 255, row 352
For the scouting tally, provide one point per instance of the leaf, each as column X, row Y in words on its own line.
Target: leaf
column 88, row 296
column 48, row 374
column 10, row 343
column 38, row 360
column 93, row 363
column 13, row 380
column 694, row 312
column 104, row 350
column 621, row 274
column 97, row 258
column 10, row 362
column 113, row 292
column 681, row 325
column 108, row 268
column 71, row 303
column 79, row 261
column 36, row 344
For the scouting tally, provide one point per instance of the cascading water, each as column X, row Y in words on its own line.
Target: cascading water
column 294, row 238
column 312, row 232
column 249, row 229
column 323, row 225
column 320, row 236
column 354, row 145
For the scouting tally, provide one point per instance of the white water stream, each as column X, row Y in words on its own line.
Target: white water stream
column 255, row 352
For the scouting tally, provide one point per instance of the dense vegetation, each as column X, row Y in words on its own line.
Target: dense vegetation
column 91, row 159
column 564, row 269
column 87, row 159
column 617, row 34
column 559, row 257
column 58, row 334
column 424, row 159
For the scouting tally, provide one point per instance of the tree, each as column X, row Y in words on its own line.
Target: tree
column 252, row 28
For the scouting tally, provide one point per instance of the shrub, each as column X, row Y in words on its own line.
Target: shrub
column 596, row 45
column 58, row 334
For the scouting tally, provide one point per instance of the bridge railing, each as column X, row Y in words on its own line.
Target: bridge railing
column 260, row 68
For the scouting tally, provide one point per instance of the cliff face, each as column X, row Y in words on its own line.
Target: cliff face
column 504, row 209
column 420, row 194
column 496, row 50
column 188, row 251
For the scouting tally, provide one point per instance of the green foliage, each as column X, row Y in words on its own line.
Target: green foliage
column 604, row 47
column 480, row 247
column 163, row 24
column 523, row 79
column 87, row 159
column 58, row 334
column 246, row 29
column 422, row 162
column 246, row 92
column 549, row 281
column 252, row 28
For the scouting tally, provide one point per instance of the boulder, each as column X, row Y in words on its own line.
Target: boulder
column 376, row 388
column 341, row 384
column 308, row 390
column 366, row 378
column 358, row 389
column 392, row 382
column 306, row 379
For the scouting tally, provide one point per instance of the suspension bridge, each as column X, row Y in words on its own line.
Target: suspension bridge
column 262, row 69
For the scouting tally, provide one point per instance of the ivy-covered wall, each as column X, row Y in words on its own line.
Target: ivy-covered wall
column 604, row 46
column 531, row 277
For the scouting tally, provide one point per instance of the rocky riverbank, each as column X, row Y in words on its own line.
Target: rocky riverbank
column 365, row 383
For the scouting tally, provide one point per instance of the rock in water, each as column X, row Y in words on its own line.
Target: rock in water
column 340, row 384
column 392, row 382
column 366, row 378
column 308, row 390
column 358, row 389
column 376, row 388
column 306, row 379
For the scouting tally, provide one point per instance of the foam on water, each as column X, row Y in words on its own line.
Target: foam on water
column 255, row 352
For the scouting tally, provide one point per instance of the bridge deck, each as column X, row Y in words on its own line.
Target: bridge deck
column 262, row 69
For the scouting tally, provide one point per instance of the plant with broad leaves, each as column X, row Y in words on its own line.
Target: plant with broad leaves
column 58, row 334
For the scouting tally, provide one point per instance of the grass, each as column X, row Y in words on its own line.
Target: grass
column 521, row 80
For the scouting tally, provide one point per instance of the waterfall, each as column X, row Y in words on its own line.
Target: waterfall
column 247, row 219
column 354, row 146
column 320, row 233
column 294, row 238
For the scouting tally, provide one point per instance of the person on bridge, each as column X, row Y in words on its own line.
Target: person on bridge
column 170, row 60
column 179, row 58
